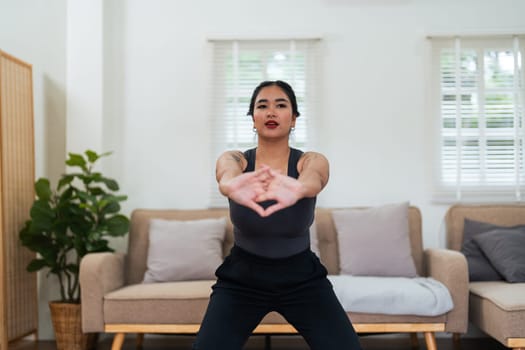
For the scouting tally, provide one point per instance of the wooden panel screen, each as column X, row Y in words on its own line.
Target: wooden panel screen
column 18, row 288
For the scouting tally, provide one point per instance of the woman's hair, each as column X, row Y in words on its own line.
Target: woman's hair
column 284, row 86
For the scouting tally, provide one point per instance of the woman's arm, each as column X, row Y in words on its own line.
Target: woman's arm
column 229, row 165
column 314, row 172
column 243, row 188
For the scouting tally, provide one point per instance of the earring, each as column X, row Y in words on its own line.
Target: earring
column 292, row 135
column 254, row 135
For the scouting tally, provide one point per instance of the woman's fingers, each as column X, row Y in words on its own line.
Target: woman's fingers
column 262, row 185
column 272, row 209
column 256, row 208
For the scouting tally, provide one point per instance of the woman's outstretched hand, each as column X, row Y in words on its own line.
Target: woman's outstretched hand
column 284, row 190
column 249, row 189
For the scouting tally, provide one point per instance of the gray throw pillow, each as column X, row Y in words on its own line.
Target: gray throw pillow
column 505, row 248
column 480, row 268
column 184, row 250
column 375, row 241
column 471, row 228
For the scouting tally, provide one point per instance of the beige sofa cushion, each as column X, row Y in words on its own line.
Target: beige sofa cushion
column 495, row 321
column 507, row 296
column 146, row 304
column 158, row 303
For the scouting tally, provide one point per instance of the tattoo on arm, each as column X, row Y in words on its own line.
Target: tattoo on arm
column 236, row 156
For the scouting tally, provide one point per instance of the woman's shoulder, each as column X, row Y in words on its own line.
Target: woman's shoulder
column 233, row 153
column 312, row 154
column 312, row 157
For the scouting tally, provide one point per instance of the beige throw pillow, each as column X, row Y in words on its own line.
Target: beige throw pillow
column 374, row 241
column 184, row 250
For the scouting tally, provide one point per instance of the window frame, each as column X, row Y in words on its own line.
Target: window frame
column 484, row 191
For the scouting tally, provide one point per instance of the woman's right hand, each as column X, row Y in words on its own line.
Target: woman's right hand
column 245, row 188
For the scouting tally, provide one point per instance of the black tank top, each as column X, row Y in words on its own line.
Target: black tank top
column 285, row 232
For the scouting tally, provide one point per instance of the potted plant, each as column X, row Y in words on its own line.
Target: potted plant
column 67, row 223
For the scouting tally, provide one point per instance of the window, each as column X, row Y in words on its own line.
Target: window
column 238, row 67
column 479, row 100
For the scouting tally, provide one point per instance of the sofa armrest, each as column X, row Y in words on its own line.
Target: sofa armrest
column 100, row 273
column 450, row 268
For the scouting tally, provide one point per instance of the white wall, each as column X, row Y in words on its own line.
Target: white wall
column 34, row 31
column 374, row 127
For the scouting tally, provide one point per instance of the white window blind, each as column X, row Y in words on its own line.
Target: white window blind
column 238, row 67
column 479, row 99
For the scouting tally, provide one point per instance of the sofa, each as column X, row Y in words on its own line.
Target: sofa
column 495, row 307
column 114, row 299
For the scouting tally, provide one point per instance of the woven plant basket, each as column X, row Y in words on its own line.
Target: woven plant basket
column 67, row 324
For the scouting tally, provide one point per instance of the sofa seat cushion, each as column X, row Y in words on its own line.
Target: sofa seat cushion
column 498, row 323
column 146, row 303
column 165, row 290
column 392, row 295
column 507, row 296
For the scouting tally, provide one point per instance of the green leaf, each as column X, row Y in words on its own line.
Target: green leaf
column 76, row 160
column 96, row 191
column 65, row 180
column 81, row 227
column 50, row 254
column 65, row 197
column 118, row 225
column 42, row 215
column 43, row 189
column 38, row 242
column 111, row 208
column 120, row 198
column 111, row 198
column 36, row 264
column 86, row 197
column 92, row 156
column 110, row 183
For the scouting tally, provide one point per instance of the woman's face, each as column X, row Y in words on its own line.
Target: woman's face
column 272, row 113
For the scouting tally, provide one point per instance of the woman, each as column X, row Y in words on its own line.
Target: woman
column 272, row 191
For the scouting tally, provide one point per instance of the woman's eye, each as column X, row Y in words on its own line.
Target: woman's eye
column 261, row 106
column 281, row 105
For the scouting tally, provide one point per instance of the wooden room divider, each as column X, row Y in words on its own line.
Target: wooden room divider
column 18, row 288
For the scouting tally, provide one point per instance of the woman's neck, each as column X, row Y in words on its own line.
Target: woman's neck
column 273, row 154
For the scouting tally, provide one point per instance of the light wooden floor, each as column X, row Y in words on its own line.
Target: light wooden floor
column 369, row 342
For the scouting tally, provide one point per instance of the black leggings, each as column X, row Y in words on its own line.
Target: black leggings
column 250, row 286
